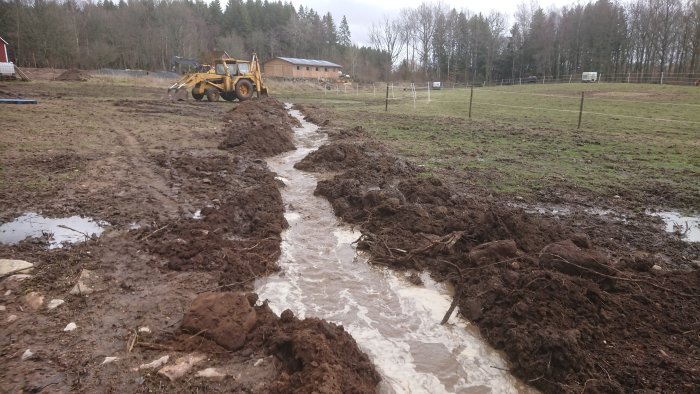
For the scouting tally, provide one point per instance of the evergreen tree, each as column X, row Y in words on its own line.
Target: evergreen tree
column 344, row 33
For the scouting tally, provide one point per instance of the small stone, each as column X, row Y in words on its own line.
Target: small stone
column 156, row 363
column 11, row 318
column 87, row 283
column 181, row 366
column 55, row 303
column 27, row 355
column 7, row 293
column 258, row 363
column 108, row 360
column 70, row 327
column 144, row 330
column 656, row 267
column 211, row 373
column 616, row 196
column 8, row 267
column 287, row 316
column 2, row 308
column 34, row 300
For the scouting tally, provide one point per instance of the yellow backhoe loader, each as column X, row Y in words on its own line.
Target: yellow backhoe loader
column 227, row 78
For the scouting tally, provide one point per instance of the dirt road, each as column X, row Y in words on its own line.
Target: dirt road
column 194, row 218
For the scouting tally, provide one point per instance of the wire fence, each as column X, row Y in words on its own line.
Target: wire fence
column 582, row 105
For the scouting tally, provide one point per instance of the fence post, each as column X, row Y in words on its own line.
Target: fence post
column 428, row 91
column 386, row 105
column 374, row 89
column 662, row 77
column 471, row 97
column 521, row 81
column 628, row 77
column 413, row 92
column 580, row 112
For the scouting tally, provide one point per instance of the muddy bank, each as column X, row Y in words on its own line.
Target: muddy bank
column 578, row 303
column 259, row 127
column 186, row 220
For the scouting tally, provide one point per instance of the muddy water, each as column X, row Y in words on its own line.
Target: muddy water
column 395, row 322
column 58, row 230
column 688, row 227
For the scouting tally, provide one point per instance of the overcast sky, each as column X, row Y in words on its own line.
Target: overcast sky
column 361, row 13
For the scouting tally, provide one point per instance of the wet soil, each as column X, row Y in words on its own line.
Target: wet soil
column 579, row 302
column 73, row 75
column 186, row 218
column 252, row 126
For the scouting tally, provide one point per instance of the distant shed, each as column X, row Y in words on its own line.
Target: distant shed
column 289, row 67
column 4, row 51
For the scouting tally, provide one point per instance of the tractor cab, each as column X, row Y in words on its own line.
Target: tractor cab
column 231, row 67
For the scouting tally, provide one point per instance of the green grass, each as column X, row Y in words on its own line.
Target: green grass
column 634, row 139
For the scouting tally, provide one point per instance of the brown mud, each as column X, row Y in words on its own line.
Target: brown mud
column 258, row 127
column 186, row 220
column 579, row 303
column 73, row 75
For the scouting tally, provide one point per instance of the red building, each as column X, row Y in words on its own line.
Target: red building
column 4, row 51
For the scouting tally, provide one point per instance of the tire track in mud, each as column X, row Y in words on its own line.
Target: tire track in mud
column 134, row 160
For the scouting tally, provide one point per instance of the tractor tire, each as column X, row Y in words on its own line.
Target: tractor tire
column 212, row 95
column 228, row 96
column 197, row 96
column 244, row 90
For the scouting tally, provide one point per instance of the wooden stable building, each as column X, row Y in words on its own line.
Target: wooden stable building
column 4, row 51
column 289, row 67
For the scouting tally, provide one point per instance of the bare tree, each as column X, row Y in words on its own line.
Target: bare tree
column 386, row 36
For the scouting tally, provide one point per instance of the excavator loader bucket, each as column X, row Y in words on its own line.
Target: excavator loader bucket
column 263, row 92
column 177, row 94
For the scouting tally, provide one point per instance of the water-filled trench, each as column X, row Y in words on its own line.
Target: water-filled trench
column 395, row 322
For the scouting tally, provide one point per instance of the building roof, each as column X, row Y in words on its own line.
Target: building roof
column 309, row 62
column 6, row 43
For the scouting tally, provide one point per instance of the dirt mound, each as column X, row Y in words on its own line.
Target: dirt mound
column 568, row 313
column 317, row 356
column 225, row 318
column 340, row 156
column 315, row 114
column 237, row 236
column 311, row 355
column 259, row 127
column 73, row 75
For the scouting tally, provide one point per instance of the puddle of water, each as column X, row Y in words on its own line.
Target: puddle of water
column 687, row 226
column 396, row 323
column 72, row 229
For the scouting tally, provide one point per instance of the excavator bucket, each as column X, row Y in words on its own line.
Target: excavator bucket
column 177, row 94
column 263, row 92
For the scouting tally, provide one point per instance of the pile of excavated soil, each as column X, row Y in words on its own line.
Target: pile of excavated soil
column 73, row 75
column 574, row 304
column 310, row 355
column 259, row 127
column 314, row 114
column 238, row 237
column 340, row 156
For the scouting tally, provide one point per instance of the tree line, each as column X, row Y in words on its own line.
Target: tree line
column 146, row 34
column 639, row 37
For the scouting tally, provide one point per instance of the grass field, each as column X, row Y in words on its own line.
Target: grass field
column 639, row 142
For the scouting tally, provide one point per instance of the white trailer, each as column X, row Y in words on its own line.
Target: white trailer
column 590, row 76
